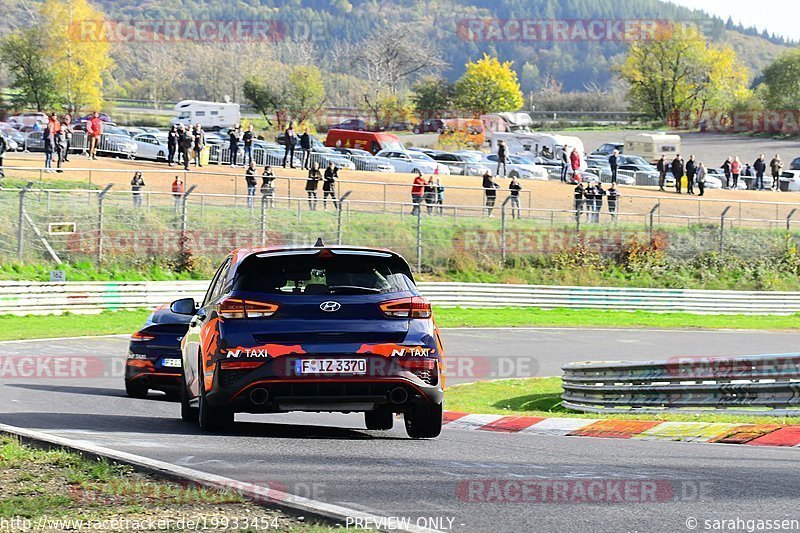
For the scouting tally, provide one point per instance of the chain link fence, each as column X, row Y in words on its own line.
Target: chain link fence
column 106, row 225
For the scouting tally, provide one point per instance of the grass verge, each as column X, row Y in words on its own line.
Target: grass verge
column 542, row 397
column 61, row 490
column 116, row 322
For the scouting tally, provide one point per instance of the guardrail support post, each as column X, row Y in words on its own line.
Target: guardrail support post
column 652, row 217
column 100, row 197
column 21, row 221
column 419, row 239
column 722, row 228
column 339, row 209
column 789, row 219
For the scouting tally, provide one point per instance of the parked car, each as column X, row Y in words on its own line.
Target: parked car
column 464, row 164
column 364, row 160
column 792, row 180
column 27, row 119
column 405, row 161
column 152, row 147
column 399, row 126
column 603, row 169
column 795, row 164
column 132, row 131
column 517, row 166
column 433, row 125
column 363, row 140
column 608, row 148
column 15, row 135
column 354, row 124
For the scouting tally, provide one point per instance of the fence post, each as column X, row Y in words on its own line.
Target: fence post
column 789, row 218
column 652, row 215
column 722, row 228
column 21, row 221
column 384, row 198
column 100, row 197
column 503, row 228
column 339, row 209
column 263, row 219
column 419, row 239
column 182, row 241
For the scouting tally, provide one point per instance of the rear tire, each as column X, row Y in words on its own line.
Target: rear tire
column 135, row 391
column 379, row 420
column 212, row 418
column 424, row 421
column 188, row 413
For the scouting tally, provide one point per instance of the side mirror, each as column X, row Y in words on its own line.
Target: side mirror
column 184, row 306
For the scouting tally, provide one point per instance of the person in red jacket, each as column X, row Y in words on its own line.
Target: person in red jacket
column 736, row 169
column 417, row 190
column 94, row 129
column 575, row 161
column 177, row 192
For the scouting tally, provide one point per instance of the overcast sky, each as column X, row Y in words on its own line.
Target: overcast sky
column 778, row 16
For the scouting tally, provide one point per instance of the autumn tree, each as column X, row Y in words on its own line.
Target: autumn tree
column 680, row 71
column 79, row 63
column 488, row 86
column 432, row 96
column 782, row 82
column 33, row 81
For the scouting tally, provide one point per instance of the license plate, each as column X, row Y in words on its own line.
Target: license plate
column 331, row 366
column 171, row 363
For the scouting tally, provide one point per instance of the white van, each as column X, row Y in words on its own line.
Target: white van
column 652, row 146
column 545, row 145
column 210, row 115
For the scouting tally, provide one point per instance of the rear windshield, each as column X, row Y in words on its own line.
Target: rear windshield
column 310, row 274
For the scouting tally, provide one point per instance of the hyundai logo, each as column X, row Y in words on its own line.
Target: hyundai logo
column 330, row 306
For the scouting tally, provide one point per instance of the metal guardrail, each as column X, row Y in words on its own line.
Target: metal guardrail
column 754, row 385
column 23, row 297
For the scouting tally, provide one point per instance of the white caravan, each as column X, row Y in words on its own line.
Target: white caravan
column 652, row 145
column 210, row 115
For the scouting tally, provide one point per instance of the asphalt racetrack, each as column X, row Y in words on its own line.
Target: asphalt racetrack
column 462, row 481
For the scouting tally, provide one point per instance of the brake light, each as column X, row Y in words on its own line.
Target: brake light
column 416, row 363
column 239, row 365
column 416, row 307
column 142, row 337
column 235, row 308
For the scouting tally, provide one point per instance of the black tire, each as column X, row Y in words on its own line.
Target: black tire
column 416, row 130
column 424, row 421
column 161, row 156
column 135, row 391
column 212, row 418
column 379, row 420
column 173, row 396
column 188, row 413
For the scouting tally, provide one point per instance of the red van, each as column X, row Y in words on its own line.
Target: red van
column 363, row 140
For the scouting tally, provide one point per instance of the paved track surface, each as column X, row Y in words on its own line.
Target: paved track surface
column 330, row 458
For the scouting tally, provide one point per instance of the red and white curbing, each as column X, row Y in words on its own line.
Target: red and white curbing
column 722, row 433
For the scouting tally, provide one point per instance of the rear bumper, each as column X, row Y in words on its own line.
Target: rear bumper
column 155, row 379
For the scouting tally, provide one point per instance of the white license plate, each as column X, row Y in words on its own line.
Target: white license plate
column 331, row 366
column 171, row 362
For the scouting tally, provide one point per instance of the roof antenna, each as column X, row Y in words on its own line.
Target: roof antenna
column 319, row 243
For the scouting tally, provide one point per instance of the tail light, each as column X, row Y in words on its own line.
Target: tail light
column 234, row 308
column 240, row 365
column 142, row 337
column 416, row 307
column 424, row 369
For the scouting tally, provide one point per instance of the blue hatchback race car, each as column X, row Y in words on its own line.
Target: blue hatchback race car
column 154, row 354
column 320, row 329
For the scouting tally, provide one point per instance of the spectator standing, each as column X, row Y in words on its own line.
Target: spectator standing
column 47, row 137
column 613, row 198
column 701, row 179
column 58, row 147
column 94, row 130
column 661, row 166
column 677, row 172
column 184, row 145
column 329, row 185
column 564, row 164
column 439, row 195
column 490, row 193
column 691, row 170
column 726, row 169
column 760, row 166
column 233, row 144
column 68, row 130
column 250, row 179
column 199, row 138
column 776, row 166
column 267, row 187
column 290, row 140
column 305, row 147
column 575, row 161
column 314, row 177
column 3, row 148
column 502, row 156
column 599, row 192
column 578, row 195
column 177, row 192
column 736, row 169
column 612, row 161
column 588, row 204
column 137, row 183
column 514, row 187
column 430, row 195
column 417, row 189
column 172, row 144
column 247, row 141
column 748, row 170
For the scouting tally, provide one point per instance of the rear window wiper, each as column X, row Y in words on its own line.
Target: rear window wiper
column 339, row 289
